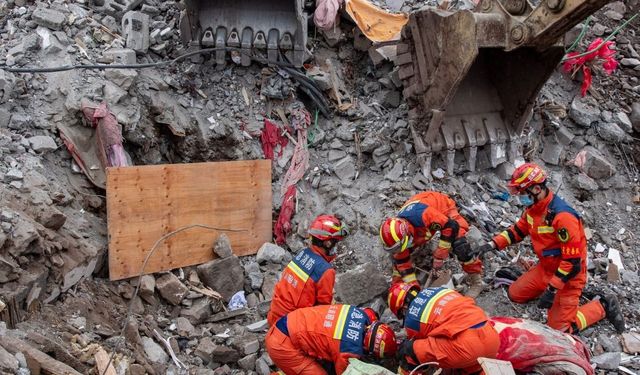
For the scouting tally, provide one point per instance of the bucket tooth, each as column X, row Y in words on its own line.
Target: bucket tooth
column 234, row 39
column 221, row 37
column 286, row 43
column 247, row 36
column 272, row 45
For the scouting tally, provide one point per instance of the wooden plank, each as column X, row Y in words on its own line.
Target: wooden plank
column 496, row 367
column 45, row 363
column 102, row 358
column 146, row 202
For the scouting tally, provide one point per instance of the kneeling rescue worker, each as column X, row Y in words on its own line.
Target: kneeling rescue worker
column 309, row 278
column 558, row 239
column 305, row 339
column 443, row 326
column 418, row 220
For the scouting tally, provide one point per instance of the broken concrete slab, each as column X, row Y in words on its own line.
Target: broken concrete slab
column 360, row 285
column 631, row 342
column 147, row 289
column 49, row 18
column 42, row 143
column 271, row 253
column 199, row 311
column 584, row 111
column 171, row 288
column 135, row 30
column 225, row 276
column 607, row 361
column 594, row 164
column 154, row 351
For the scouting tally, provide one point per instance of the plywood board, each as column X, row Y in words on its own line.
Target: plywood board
column 146, row 202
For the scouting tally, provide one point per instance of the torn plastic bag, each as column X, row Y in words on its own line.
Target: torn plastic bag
column 375, row 23
column 357, row 367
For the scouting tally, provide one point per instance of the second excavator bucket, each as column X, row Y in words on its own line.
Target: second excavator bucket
column 472, row 77
column 268, row 27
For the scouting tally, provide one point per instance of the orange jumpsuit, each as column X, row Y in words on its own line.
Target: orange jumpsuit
column 558, row 239
column 332, row 333
column 450, row 329
column 306, row 281
column 429, row 212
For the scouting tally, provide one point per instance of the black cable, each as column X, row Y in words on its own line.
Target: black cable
column 144, row 66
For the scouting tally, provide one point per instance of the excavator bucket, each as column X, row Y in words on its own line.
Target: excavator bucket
column 471, row 78
column 267, row 28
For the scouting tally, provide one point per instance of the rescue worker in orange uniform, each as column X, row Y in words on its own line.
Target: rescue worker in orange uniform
column 300, row 340
column 418, row 220
column 443, row 326
column 558, row 239
column 309, row 278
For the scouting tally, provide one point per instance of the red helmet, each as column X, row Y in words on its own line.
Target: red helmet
column 525, row 176
column 328, row 227
column 397, row 296
column 380, row 340
column 396, row 234
column 369, row 312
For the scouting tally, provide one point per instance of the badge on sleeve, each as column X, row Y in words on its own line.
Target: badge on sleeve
column 563, row 235
column 435, row 227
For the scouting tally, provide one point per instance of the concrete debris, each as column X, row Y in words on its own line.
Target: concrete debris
column 631, row 342
column 171, row 288
column 154, row 351
column 635, row 117
column 7, row 361
column 607, row 361
column 225, row 276
column 584, row 111
column 594, row 164
column 361, row 284
column 222, row 247
column 270, row 253
column 42, row 143
column 49, row 18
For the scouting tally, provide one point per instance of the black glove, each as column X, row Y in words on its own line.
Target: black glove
column 546, row 299
column 482, row 249
column 462, row 250
column 408, row 359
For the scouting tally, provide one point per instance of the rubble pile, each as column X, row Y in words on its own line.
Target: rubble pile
column 53, row 238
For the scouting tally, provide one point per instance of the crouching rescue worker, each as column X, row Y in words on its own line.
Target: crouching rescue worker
column 418, row 220
column 309, row 278
column 558, row 239
column 310, row 340
column 443, row 326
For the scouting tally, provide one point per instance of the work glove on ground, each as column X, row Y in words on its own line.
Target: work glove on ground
column 546, row 299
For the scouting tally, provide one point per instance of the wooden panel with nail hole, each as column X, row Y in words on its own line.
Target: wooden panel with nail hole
column 146, row 202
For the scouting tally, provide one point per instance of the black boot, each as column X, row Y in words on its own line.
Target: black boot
column 613, row 311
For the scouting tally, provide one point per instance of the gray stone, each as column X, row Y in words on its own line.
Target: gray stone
column 345, row 169
column 171, row 288
column 596, row 165
column 611, row 132
column 630, row 277
column 389, row 98
column 335, row 155
column 552, row 151
column 252, row 270
column 268, row 286
column 123, row 78
column 52, row 218
column 584, row 111
column 564, row 135
column 7, row 361
column 608, row 361
column 184, row 327
column 609, row 344
column 154, row 351
column 147, row 289
column 49, row 18
column 225, row 276
column 262, row 368
column 630, row 62
column 584, row 182
column 5, row 116
column 135, row 30
column 79, row 322
column 113, row 94
column 248, row 362
column 222, row 247
column 42, row 143
column 199, row 311
column 623, row 120
column 271, row 253
column 635, row 116
column 259, row 326
column 7, row 85
column 247, row 344
column 224, row 354
column 121, row 56
column 205, row 349
column 396, row 172
column 13, row 174
column 505, row 170
column 360, row 285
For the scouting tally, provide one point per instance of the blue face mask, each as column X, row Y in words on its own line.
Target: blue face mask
column 526, row 200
